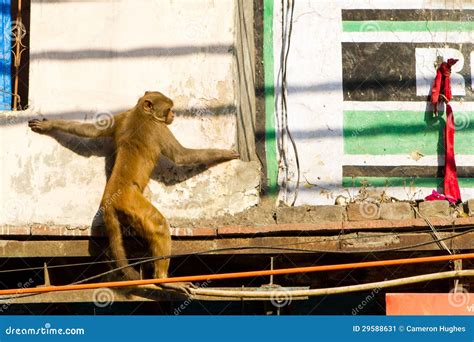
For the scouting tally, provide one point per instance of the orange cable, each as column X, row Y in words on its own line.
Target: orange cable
column 237, row 274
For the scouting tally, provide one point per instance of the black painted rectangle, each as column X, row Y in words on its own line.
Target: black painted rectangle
column 387, row 71
column 403, row 171
column 408, row 14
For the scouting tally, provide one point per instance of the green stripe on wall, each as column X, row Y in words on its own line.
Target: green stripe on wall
column 402, row 132
column 406, row 26
column 402, row 182
column 270, row 132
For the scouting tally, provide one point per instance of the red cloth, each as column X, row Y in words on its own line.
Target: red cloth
column 451, row 186
column 442, row 86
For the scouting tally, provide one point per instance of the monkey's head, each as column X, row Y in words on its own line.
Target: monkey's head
column 158, row 105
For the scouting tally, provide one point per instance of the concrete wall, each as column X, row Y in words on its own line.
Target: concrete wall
column 356, row 97
column 93, row 58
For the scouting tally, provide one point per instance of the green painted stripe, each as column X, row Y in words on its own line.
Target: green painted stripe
column 406, row 26
column 402, row 132
column 270, row 132
column 402, row 182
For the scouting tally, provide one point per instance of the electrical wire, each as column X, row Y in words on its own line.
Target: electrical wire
column 274, row 246
column 247, row 274
column 287, row 29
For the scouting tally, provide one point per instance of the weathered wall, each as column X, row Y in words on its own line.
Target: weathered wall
column 358, row 76
column 93, row 58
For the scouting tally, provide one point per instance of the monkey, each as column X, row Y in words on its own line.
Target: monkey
column 140, row 135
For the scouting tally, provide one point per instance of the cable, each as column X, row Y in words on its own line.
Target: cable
column 331, row 290
column 270, row 248
column 287, row 29
column 235, row 275
column 275, row 246
column 441, row 244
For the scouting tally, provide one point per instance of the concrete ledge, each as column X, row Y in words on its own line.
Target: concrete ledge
column 470, row 207
column 14, row 230
column 431, row 209
column 396, row 211
column 352, row 242
column 309, row 214
column 363, row 211
column 241, row 230
column 279, row 228
column 45, row 230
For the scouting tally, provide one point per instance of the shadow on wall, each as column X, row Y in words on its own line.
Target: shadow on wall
column 11, row 118
column 165, row 171
column 155, row 52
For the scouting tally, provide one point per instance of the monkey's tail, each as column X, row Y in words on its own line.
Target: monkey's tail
column 114, row 232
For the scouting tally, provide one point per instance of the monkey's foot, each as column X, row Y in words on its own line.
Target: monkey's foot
column 186, row 288
column 131, row 274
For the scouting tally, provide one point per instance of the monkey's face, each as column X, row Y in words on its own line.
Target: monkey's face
column 169, row 117
column 157, row 105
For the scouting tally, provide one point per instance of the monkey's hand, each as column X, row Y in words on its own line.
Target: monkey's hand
column 40, row 126
column 222, row 156
column 234, row 155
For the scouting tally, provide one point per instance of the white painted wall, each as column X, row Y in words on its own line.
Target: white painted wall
column 315, row 99
column 90, row 57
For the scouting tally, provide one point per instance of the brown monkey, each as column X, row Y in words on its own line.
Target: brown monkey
column 140, row 135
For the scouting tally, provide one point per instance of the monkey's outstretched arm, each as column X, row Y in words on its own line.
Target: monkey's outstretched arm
column 87, row 130
column 172, row 149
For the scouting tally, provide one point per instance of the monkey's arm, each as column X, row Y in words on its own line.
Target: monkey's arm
column 172, row 149
column 87, row 130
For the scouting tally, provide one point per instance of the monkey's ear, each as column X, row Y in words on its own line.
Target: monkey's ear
column 148, row 106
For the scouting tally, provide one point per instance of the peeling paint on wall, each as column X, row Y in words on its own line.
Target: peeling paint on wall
column 78, row 70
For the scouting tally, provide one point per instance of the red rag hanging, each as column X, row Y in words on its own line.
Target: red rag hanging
column 441, row 91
